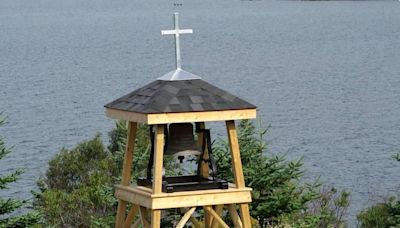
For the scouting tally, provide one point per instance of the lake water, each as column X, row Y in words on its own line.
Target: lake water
column 325, row 75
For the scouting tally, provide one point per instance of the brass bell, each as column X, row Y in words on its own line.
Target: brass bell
column 181, row 141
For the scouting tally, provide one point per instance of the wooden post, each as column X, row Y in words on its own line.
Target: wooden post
column 126, row 171
column 119, row 222
column 204, row 169
column 237, row 169
column 234, row 215
column 245, row 215
column 158, row 170
column 218, row 209
column 235, row 154
column 155, row 218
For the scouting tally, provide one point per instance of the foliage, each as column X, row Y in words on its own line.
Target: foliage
column 278, row 196
column 396, row 156
column 386, row 214
column 141, row 152
column 9, row 207
column 275, row 182
column 327, row 210
column 77, row 186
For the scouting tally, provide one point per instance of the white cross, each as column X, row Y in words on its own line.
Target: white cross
column 176, row 32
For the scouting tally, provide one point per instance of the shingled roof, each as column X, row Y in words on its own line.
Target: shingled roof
column 163, row 96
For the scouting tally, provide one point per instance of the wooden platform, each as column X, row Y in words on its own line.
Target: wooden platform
column 144, row 197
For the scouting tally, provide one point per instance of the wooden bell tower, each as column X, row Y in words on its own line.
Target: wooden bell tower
column 180, row 97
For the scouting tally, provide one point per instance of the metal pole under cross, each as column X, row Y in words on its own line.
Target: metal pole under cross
column 177, row 32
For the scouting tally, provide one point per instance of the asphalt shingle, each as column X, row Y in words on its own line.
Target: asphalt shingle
column 178, row 96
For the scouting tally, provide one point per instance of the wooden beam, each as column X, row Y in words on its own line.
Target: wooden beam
column 182, row 117
column 193, row 220
column 222, row 197
column 207, row 218
column 204, row 170
column 235, row 154
column 218, row 209
column 245, row 215
column 158, row 170
column 121, row 210
column 216, row 216
column 185, row 218
column 237, row 169
column 143, row 217
column 137, row 195
column 129, row 150
column 125, row 115
column 155, row 218
column 132, row 213
column 134, row 196
column 235, row 216
column 201, row 116
column 158, row 158
column 126, row 171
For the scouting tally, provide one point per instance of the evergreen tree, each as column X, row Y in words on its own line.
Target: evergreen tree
column 9, row 207
column 279, row 199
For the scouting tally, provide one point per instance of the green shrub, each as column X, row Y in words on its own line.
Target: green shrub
column 278, row 197
column 328, row 210
column 386, row 214
column 142, row 147
column 276, row 190
column 77, row 186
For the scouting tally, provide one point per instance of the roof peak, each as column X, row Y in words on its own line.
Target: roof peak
column 177, row 75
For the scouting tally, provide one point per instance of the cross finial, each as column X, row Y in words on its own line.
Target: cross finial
column 177, row 32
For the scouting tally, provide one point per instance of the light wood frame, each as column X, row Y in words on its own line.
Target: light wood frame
column 181, row 117
column 154, row 200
